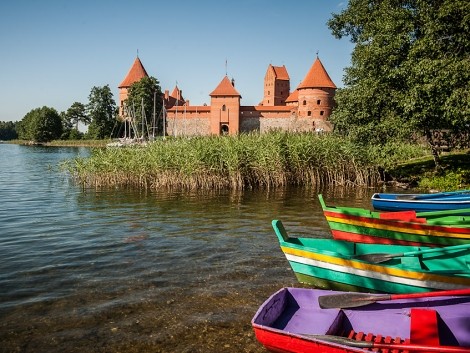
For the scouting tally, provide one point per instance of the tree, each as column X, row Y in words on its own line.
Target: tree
column 101, row 110
column 77, row 114
column 7, row 131
column 145, row 93
column 410, row 68
column 40, row 125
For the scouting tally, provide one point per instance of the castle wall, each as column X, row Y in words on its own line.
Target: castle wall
column 188, row 127
column 263, row 119
column 193, row 121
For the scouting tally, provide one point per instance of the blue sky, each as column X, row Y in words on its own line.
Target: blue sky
column 54, row 51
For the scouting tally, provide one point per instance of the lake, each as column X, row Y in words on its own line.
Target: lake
column 113, row 270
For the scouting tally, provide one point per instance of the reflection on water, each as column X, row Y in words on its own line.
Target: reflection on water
column 130, row 271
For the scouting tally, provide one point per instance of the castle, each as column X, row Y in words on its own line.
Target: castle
column 307, row 108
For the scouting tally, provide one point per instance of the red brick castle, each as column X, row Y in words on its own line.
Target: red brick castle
column 307, row 108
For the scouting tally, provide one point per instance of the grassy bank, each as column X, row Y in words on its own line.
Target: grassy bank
column 238, row 162
column 421, row 173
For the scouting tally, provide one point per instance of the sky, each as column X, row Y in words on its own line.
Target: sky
column 53, row 52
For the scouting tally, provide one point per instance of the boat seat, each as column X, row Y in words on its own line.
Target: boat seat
column 424, row 328
column 411, row 262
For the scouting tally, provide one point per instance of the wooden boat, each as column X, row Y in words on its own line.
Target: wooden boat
column 438, row 228
column 454, row 200
column 291, row 320
column 343, row 265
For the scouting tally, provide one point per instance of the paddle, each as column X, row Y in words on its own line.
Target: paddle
column 352, row 300
column 383, row 257
column 392, row 346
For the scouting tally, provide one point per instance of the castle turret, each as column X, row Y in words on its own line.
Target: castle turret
column 135, row 74
column 316, row 93
column 225, row 109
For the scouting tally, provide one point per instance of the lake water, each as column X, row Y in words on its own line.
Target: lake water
column 85, row 270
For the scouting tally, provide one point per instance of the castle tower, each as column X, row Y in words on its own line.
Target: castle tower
column 135, row 74
column 225, row 108
column 174, row 99
column 316, row 93
column 276, row 86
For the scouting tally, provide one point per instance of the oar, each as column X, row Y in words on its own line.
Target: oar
column 392, row 346
column 383, row 257
column 352, row 300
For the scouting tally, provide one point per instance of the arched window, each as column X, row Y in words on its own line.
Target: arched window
column 309, row 113
column 304, row 102
column 223, row 108
column 224, row 129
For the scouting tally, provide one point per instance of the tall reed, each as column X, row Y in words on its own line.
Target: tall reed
column 237, row 162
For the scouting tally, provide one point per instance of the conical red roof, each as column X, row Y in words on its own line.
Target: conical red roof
column 225, row 88
column 317, row 77
column 136, row 73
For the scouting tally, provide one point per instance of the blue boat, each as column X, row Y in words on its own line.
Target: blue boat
column 441, row 201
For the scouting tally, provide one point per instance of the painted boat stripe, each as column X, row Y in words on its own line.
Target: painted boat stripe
column 404, row 229
column 373, row 274
column 365, row 219
column 385, row 270
column 397, row 236
column 373, row 239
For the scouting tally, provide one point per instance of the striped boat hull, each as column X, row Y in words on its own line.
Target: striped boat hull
column 330, row 264
column 359, row 225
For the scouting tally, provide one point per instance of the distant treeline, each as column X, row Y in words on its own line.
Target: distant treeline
column 8, row 131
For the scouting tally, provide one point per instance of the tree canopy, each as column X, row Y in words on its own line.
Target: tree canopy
column 40, row 125
column 101, row 110
column 145, row 93
column 77, row 114
column 8, row 131
column 410, row 68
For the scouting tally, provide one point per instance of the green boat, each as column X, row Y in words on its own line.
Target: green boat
column 435, row 228
column 342, row 265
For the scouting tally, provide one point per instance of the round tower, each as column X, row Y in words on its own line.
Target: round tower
column 316, row 93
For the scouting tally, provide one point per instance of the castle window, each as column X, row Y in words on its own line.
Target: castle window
column 223, row 108
column 224, row 129
column 309, row 113
column 304, row 102
column 321, row 112
column 318, row 102
column 269, row 92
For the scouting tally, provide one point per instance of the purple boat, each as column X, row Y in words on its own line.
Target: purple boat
column 296, row 320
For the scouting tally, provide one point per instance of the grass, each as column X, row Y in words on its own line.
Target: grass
column 239, row 162
column 421, row 172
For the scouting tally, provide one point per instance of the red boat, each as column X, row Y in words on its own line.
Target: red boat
column 293, row 320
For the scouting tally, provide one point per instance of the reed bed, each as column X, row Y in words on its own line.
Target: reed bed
column 235, row 162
